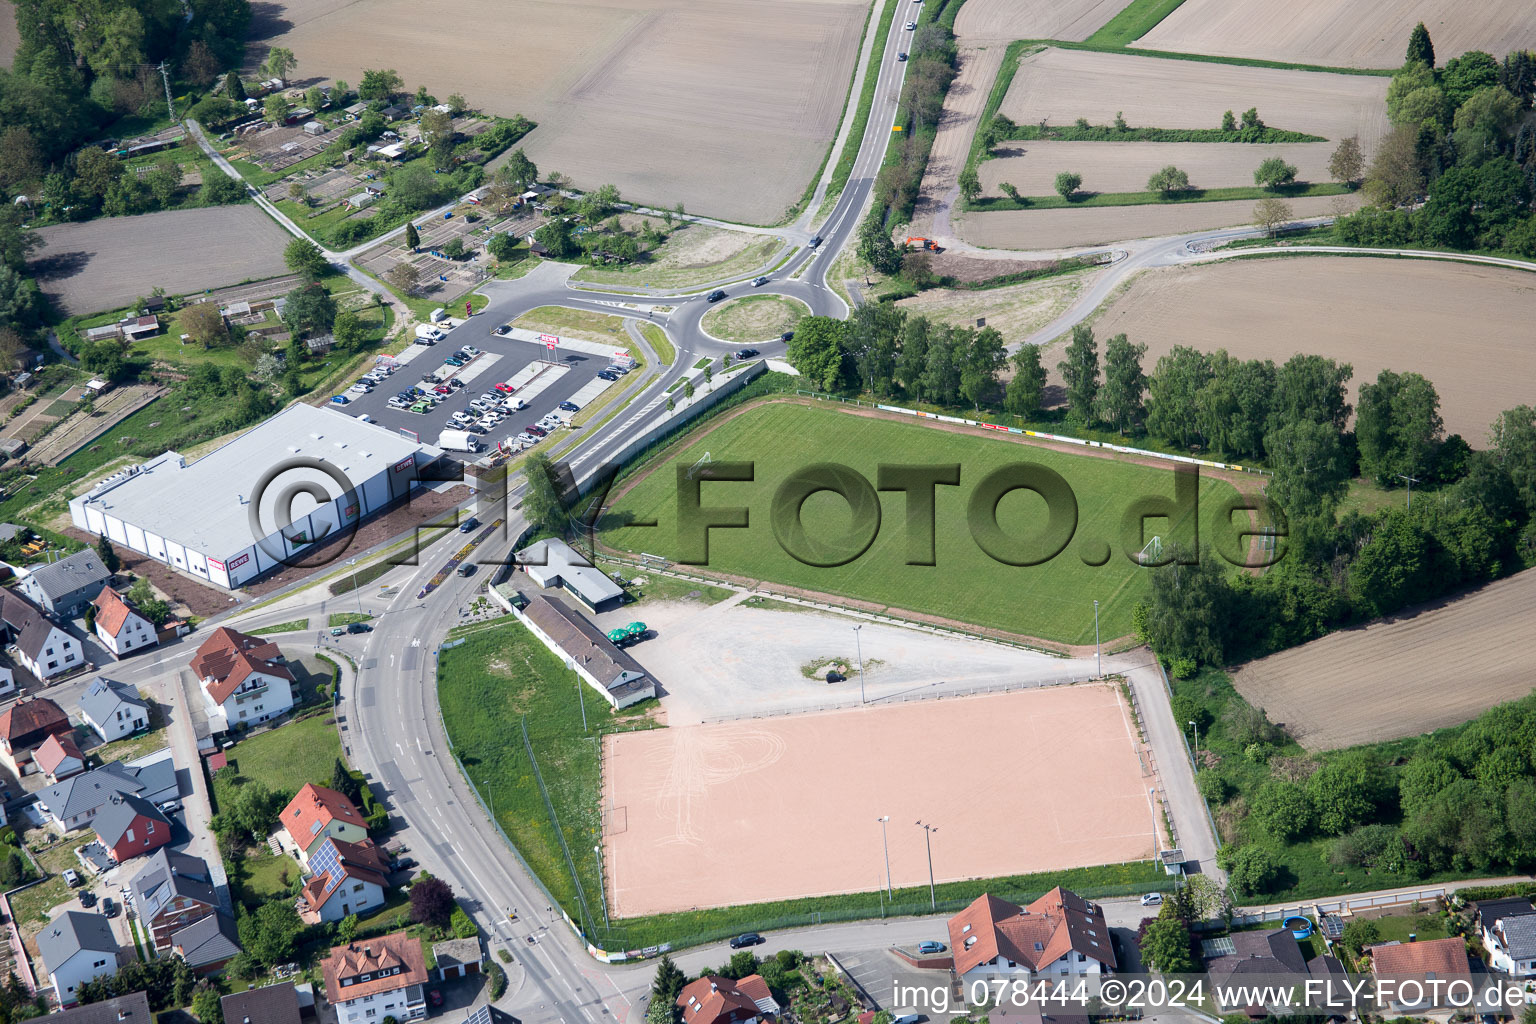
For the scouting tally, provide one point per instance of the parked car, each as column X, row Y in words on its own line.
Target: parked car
column 759, row 281
column 536, row 430
column 471, row 350
column 422, row 407
column 87, row 898
column 503, row 330
column 109, row 906
column 404, row 863
column 454, row 361
column 786, row 335
column 434, row 997
column 930, row 947
column 361, row 389
column 570, row 407
column 607, row 375
column 716, row 295
column 442, row 389
column 398, row 403
column 463, row 354
column 71, row 877
column 468, row 524
column 526, row 438
column 748, row 939
column 504, row 388
column 746, row 353
column 340, row 400
column 1151, row 899
column 455, row 383
column 616, row 368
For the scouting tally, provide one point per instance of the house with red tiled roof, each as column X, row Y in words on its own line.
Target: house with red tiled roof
column 349, row 878
column 371, row 979
column 24, row 726
column 59, row 757
column 715, row 999
column 1395, row 965
column 245, row 679
column 1059, row 934
column 315, row 815
column 119, row 627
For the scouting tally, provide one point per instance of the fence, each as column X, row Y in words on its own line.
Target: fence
column 928, row 692
column 554, row 823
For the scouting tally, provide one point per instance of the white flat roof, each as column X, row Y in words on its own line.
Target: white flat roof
column 205, row 505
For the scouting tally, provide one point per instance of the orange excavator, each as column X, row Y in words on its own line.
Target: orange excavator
column 929, row 244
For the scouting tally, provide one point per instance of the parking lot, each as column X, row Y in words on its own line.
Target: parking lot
column 540, row 377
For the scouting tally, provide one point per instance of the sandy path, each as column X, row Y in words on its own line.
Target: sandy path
column 1100, row 225
column 1125, row 166
column 957, row 124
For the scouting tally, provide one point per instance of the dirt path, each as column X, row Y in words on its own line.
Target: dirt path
column 979, row 63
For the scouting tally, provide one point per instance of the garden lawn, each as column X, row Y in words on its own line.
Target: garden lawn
column 580, row 323
column 1052, row 601
column 291, row 755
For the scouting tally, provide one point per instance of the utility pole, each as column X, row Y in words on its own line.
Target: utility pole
column 886, row 842
column 928, row 831
column 1411, row 481
column 583, row 699
column 356, row 589
column 1196, row 727
column 166, row 78
column 601, row 889
column 1098, row 652
column 859, row 647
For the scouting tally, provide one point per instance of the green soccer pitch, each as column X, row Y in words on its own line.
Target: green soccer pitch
column 1051, row 601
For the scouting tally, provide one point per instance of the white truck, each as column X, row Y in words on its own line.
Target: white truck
column 459, row 441
column 428, row 333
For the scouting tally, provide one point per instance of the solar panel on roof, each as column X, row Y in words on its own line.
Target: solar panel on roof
column 1333, row 926
column 1219, row 946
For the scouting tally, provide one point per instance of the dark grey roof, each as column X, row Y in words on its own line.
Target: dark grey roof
column 119, row 814
column 1260, row 952
column 130, row 1009
column 69, row 574
column 1519, row 936
column 1489, row 911
column 71, row 932
column 270, row 1004
column 212, row 940
column 30, row 624
column 103, row 696
column 165, row 876
column 77, row 795
column 10, row 531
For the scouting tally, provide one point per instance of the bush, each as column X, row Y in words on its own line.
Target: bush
column 498, row 978
column 461, row 925
column 1251, row 870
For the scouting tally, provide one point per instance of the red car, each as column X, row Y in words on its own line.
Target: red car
column 505, row 388
column 442, row 389
column 435, row 997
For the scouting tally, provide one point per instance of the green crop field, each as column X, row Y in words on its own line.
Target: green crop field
column 1052, row 600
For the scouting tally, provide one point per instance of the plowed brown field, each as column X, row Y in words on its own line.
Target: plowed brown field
column 1370, row 35
column 727, row 105
column 1006, row 20
column 1404, row 676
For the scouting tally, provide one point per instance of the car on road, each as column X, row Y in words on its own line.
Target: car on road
column 815, row 241
column 467, row 569
column 570, row 406
column 1151, row 899
column 901, row 56
column 338, row 631
column 468, row 524
column 109, row 906
column 911, row 26
column 503, row 330
column 746, row 353
column 930, row 947
column 759, row 281
column 786, row 335
column 359, row 627
column 747, row 939
column 716, row 295
column 71, row 877
column 340, row 400
column 515, row 405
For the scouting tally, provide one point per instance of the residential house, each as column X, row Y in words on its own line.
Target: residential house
column 130, row 1009
column 349, row 878
column 1393, row 963
column 171, row 891
column 207, row 945
column 457, row 958
column 554, row 563
column 43, row 647
column 119, row 626
column 245, row 679
column 715, row 999
column 1263, row 958
column 1508, row 930
column 315, row 815
column 587, row 651
column 369, row 980
column 77, row 947
column 24, row 726
column 65, row 587
column 7, row 680
column 129, row 825
column 269, row 1004
column 1059, row 934
column 59, row 757
column 113, row 709
column 74, row 803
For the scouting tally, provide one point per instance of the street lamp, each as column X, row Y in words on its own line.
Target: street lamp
column 1196, row 727
column 356, row 588
column 886, row 842
column 860, row 648
column 1098, row 653
column 928, row 831
column 601, row 891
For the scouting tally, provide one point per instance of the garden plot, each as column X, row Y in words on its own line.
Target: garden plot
column 1125, row 166
column 275, row 148
column 1340, row 34
column 727, row 105
column 1060, row 86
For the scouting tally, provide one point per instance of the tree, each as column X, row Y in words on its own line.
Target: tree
column 985, row 355
column 1067, row 183
column 1274, row 173
column 1251, row 119
column 432, row 902
column 403, row 277
column 206, row 1005
column 1347, row 164
column 1468, row 73
column 271, row 933
column 454, row 249
column 1119, row 400
column 108, row 555
column 233, row 87
column 1397, row 427
column 457, row 103
column 1080, row 368
column 1312, row 388
column 1168, row 181
column 304, row 257
column 345, row 783
column 1228, row 122
column 1311, row 468
column 816, row 351
column 22, row 161
column 308, row 309
column 276, row 108
column 412, row 237
column 280, row 61
column 502, row 246
column 1282, row 809
column 379, row 85
column 1026, row 389
column 1165, row 946
column 205, row 324
column 688, row 389
column 1271, row 213
column 219, row 190
column 520, row 170
column 348, row 329
column 555, row 236
column 1010, row 190
column 1189, row 613
column 1397, row 172
column 1251, row 870
column 970, row 184
column 545, row 500
column 255, row 808
column 1420, row 49
column 875, row 246
column 1348, row 790
column 1174, row 390
column 669, row 981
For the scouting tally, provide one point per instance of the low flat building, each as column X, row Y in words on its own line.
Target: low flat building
column 554, row 563
column 65, row 587
column 270, row 1004
column 587, row 651
column 457, row 958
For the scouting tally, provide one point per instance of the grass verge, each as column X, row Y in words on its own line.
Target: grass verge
column 665, row 353
column 347, row 618
column 1137, row 19
column 291, row 626
column 1194, row 195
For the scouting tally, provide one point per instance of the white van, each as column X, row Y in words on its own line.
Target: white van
column 428, row 333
